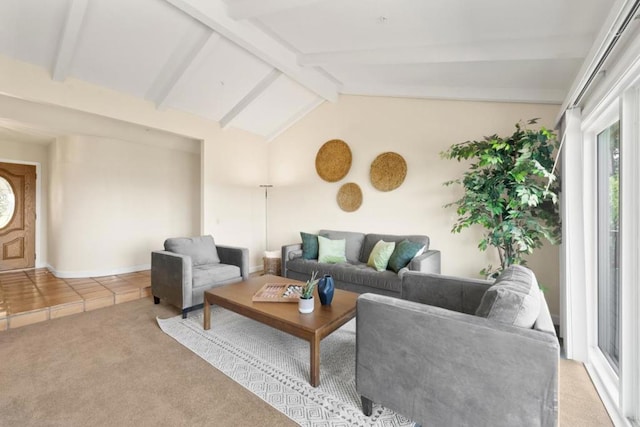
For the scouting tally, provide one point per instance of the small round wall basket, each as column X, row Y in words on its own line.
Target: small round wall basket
column 388, row 171
column 333, row 160
column 350, row 197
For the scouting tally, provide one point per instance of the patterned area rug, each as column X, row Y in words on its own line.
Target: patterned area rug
column 275, row 367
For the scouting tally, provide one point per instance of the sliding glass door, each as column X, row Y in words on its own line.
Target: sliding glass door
column 608, row 200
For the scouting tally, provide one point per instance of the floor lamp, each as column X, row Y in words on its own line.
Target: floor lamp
column 266, row 224
column 271, row 265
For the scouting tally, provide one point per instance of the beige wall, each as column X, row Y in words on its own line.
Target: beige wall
column 112, row 202
column 18, row 152
column 233, row 166
column 416, row 129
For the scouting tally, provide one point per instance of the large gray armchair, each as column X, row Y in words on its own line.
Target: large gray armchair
column 191, row 265
column 460, row 352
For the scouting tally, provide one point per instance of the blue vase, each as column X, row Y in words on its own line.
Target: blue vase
column 325, row 289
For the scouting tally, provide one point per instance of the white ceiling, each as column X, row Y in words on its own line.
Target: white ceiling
column 260, row 65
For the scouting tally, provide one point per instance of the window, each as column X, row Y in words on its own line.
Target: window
column 608, row 200
column 7, row 202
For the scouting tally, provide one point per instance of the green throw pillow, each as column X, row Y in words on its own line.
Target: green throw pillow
column 309, row 245
column 380, row 255
column 403, row 253
column 331, row 251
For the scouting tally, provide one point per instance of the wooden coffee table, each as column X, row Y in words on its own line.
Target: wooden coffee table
column 285, row 316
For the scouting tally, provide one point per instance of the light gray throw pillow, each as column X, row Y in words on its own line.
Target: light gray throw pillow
column 514, row 298
column 202, row 249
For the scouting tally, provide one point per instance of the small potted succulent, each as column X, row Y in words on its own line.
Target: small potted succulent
column 307, row 302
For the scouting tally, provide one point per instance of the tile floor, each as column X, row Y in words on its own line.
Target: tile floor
column 32, row 296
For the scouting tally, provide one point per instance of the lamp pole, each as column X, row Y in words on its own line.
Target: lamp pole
column 266, row 226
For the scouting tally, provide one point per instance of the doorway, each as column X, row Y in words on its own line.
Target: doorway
column 17, row 216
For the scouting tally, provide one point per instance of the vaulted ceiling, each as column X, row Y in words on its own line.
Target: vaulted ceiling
column 261, row 65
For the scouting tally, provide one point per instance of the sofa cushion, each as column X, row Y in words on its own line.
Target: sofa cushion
column 356, row 273
column 331, row 251
column 201, row 249
column 370, row 241
column 514, row 298
column 309, row 245
column 206, row 275
column 379, row 258
column 403, row 253
column 353, row 242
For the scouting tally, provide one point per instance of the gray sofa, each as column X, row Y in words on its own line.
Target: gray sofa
column 355, row 275
column 460, row 352
column 191, row 265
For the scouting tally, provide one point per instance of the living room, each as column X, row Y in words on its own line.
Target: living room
column 117, row 176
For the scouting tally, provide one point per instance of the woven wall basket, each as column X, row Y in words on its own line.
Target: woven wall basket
column 349, row 197
column 388, row 171
column 333, row 160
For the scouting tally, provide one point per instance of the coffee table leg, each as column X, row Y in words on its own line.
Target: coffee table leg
column 314, row 353
column 207, row 314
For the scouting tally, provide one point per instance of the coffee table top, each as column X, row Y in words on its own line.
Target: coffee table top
column 284, row 315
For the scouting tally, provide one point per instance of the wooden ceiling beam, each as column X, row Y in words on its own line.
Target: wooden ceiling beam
column 497, row 50
column 213, row 13
column 247, row 9
column 176, row 70
column 254, row 93
column 69, row 39
column 491, row 94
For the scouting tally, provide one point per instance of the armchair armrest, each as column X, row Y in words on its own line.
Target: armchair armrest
column 171, row 277
column 234, row 255
column 453, row 293
column 428, row 262
column 440, row 367
column 290, row 252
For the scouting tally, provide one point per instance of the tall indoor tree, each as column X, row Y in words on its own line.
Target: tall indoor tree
column 511, row 191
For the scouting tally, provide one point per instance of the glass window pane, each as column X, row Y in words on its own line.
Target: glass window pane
column 609, row 243
column 7, row 202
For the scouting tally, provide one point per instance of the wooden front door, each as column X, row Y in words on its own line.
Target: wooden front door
column 17, row 216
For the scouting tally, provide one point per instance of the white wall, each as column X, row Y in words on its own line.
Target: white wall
column 112, row 202
column 20, row 151
column 416, row 129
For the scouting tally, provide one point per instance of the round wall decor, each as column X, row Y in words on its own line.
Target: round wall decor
column 333, row 160
column 388, row 171
column 349, row 197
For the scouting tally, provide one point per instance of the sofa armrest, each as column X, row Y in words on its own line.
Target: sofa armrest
column 452, row 293
column 428, row 262
column 420, row 360
column 234, row 255
column 171, row 277
column 290, row 252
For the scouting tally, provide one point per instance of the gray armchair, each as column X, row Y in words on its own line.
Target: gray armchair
column 191, row 265
column 430, row 357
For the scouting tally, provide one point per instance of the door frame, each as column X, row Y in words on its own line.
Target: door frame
column 40, row 262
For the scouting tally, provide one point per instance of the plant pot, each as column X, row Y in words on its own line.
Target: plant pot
column 306, row 305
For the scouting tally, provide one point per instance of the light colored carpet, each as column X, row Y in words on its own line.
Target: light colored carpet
column 275, row 366
column 114, row 366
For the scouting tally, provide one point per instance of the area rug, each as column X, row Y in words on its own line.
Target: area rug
column 275, row 366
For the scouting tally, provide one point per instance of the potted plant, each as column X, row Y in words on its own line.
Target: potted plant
column 511, row 191
column 306, row 303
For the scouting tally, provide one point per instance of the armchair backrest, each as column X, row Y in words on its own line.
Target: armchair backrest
column 201, row 249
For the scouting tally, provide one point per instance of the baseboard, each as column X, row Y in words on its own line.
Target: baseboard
column 97, row 273
column 256, row 268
